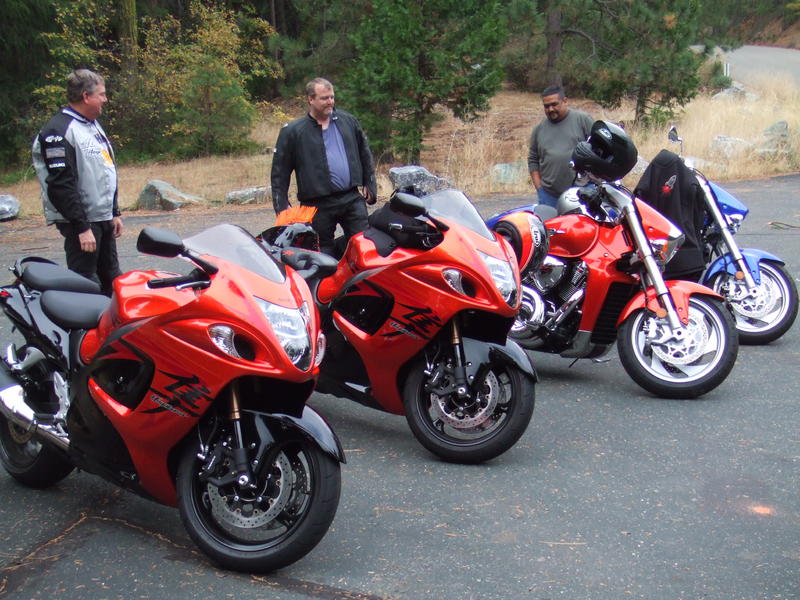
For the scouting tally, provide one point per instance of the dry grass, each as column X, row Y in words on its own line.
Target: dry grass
column 466, row 152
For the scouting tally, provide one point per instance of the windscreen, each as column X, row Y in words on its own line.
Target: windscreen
column 453, row 205
column 234, row 244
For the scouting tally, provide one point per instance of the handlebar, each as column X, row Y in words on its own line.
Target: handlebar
column 196, row 277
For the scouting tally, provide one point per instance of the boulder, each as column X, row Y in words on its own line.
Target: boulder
column 9, row 207
column 516, row 172
column 159, row 195
column 419, row 178
column 726, row 147
column 254, row 195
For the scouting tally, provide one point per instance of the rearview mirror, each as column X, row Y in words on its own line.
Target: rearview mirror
column 407, row 204
column 672, row 134
column 159, row 242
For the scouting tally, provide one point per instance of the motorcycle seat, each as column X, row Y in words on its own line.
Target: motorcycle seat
column 74, row 310
column 45, row 276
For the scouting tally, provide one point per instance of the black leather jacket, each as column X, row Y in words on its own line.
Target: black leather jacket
column 300, row 149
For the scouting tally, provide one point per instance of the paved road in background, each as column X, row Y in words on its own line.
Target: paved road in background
column 751, row 64
column 610, row 494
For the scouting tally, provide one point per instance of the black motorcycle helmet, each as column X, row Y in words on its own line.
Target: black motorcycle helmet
column 608, row 153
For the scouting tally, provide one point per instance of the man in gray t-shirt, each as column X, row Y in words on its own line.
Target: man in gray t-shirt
column 552, row 143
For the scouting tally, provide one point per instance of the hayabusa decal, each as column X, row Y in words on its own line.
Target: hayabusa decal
column 180, row 397
column 415, row 323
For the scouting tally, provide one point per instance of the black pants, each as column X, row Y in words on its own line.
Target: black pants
column 102, row 265
column 350, row 212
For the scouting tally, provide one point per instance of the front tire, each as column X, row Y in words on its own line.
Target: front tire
column 266, row 528
column 765, row 313
column 470, row 430
column 29, row 461
column 684, row 368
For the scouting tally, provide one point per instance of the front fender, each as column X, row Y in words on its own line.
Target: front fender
column 478, row 353
column 680, row 291
column 311, row 424
column 752, row 257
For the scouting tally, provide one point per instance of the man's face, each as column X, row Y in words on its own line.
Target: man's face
column 322, row 102
column 555, row 107
column 93, row 103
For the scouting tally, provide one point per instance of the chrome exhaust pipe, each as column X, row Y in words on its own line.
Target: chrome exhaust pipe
column 14, row 408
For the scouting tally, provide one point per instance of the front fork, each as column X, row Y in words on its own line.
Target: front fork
column 460, row 362
column 240, row 461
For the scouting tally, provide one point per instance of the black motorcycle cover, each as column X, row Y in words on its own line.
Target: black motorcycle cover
column 670, row 187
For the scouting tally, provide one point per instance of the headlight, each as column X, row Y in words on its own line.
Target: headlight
column 734, row 222
column 503, row 277
column 231, row 343
column 290, row 326
column 665, row 249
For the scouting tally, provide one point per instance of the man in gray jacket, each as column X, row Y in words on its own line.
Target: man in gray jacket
column 330, row 157
column 75, row 165
column 552, row 143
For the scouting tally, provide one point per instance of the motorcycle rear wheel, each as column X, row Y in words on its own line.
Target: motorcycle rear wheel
column 29, row 461
column 769, row 314
column 474, row 431
column 680, row 369
column 261, row 531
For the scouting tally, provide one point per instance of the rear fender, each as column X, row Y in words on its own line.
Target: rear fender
column 478, row 353
column 311, row 425
column 752, row 257
column 680, row 291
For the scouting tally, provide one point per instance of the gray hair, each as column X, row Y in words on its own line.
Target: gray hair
column 311, row 86
column 80, row 81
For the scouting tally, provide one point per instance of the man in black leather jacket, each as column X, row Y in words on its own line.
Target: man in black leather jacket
column 329, row 155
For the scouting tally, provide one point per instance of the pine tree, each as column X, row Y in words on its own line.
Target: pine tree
column 415, row 57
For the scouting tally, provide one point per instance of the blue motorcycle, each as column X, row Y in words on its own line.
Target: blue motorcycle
column 756, row 284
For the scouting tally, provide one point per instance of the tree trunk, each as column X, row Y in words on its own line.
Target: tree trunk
column 128, row 34
column 553, row 35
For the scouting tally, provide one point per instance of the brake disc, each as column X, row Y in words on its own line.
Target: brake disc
column 255, row 512
column 686, row 348
column 473, row 415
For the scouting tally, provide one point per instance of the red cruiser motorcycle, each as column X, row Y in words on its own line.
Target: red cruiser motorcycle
column 593, row 274
column 187, row 389
column 416, row 318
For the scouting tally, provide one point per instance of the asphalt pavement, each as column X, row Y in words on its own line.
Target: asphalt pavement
column 611, row 493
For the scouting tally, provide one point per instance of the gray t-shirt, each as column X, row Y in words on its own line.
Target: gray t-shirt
column 551, row 148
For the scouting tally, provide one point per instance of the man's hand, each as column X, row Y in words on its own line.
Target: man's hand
column 368, row 197
column 87, row 241
column 117, row 226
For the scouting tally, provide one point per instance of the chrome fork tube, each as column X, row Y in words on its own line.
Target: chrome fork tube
column 727, row 236
column 650, row 265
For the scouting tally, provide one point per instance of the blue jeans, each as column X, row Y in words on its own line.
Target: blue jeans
column 546, row 198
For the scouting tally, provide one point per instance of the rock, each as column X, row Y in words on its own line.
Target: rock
column 159, row 195
column 419, row 178
column 516, row 172
column 640, row 166
column 9, row 207
column 776, row 136
column 729, row 147
column 254, row 195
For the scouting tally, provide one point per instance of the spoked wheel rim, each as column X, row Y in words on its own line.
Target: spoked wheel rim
column 466, row 421
column 260, row 518
column 760, row 309
column 697, row 353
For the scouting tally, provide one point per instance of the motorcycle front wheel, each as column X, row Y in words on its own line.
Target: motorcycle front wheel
column 468, row 430
column 684, row 367
column 263, row 527
column 29, row 461
column 765, row 313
